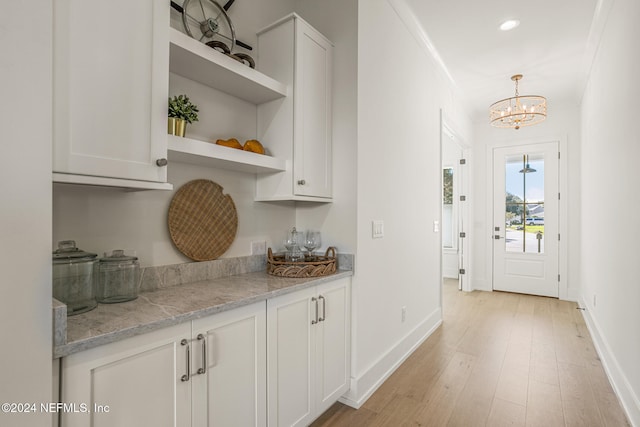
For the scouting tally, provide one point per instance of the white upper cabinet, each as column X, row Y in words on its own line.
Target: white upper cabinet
column 110, row 79
column 297, row 128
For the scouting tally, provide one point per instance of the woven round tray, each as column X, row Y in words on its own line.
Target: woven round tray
column 313, row 267
column 202, row 221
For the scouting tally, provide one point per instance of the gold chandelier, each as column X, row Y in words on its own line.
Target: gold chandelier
column 519, row 110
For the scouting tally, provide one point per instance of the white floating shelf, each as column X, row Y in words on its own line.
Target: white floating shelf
column 208, row 154
column 197, row 61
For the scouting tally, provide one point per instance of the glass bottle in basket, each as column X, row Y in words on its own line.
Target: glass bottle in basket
column 292, row 242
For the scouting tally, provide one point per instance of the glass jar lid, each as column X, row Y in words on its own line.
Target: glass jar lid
column 68, row 252
column 118, row 255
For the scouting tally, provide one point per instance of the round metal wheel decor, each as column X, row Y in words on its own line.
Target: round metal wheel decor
column 206, row 20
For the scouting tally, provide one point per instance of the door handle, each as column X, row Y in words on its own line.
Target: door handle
column 324, row 308
column 314, row 299
column 203, row 369
column 186, row 376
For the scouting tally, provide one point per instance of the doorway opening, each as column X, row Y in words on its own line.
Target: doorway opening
column 454, row 209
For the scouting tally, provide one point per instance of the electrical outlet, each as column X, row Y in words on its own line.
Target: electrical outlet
column 259, row 247
column 436, row 226
column 404, row 313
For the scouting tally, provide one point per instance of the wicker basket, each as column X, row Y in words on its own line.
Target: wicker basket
column 315, row 267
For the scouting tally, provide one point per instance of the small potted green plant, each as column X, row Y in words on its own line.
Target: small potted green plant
column 181, row 112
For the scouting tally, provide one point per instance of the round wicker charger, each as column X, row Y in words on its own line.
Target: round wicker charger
column 202, row 221
column 315, row 267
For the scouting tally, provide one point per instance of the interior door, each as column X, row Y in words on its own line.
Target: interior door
column 525, row 218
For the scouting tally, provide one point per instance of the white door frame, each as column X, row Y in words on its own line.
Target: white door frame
column 563, row 287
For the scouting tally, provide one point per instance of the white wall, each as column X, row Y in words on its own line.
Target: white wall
column 610, row 176
column 102, row 219
column 562, row 124
column 25, row 211
column 400, row 93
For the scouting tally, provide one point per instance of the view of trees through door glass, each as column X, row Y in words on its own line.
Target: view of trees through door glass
column 524, row 216
column 448, row 229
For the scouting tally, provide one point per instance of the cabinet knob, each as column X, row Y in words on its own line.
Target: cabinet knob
column 301, row 182
column 162, row 162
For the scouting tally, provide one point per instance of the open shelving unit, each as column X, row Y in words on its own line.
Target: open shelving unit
column 198, row 62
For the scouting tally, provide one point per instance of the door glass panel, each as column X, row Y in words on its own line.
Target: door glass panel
column 524, row 203
column 447, row 208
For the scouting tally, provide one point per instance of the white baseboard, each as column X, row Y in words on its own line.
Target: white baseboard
column 617, row 378
column 481, row 285
column 366, row 384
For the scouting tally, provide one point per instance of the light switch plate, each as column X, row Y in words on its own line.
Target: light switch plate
column 377, row 229
column 436, row 226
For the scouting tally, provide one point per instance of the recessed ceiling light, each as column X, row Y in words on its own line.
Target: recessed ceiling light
column 509, row 24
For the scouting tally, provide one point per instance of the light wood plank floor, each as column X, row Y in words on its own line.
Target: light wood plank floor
column 499, row 359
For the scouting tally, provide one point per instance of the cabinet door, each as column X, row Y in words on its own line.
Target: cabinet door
column 312, row 113
column 110, row 63
column 130, row 383
column 231, row 391
column 290, row 358
column 297, row 128
column 333, row 342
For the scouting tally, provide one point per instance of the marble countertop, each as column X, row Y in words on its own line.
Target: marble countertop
column 172, row 305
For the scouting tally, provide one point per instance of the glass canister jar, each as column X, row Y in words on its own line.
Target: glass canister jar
column 118, row 276
column 74, row 277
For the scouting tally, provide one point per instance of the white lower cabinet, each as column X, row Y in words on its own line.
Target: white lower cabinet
column 282, row 363
column 207, row 372
column 233, row 390
column 136, row 382
column 308, row 347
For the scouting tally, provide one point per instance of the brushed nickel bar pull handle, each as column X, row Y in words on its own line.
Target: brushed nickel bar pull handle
column 186, row 376
column 314, row 299
column 324, row 308
column 203, row 369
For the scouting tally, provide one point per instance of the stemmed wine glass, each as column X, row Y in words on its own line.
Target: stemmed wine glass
column 312, row 241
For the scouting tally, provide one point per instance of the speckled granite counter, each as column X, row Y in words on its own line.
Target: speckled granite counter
column 169, row 306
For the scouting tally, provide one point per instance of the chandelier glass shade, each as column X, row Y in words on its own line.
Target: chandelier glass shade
column 525, row 110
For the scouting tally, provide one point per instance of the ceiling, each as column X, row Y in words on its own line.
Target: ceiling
column 550, row 47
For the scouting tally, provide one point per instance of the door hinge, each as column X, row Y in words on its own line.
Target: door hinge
column 462, row 271
column 463, row 161
column 463, row 234
column 558, row 277
column 558, row 196
column 558, row 237
column 463, row 198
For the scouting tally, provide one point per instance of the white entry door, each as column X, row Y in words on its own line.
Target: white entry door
column 525, row 218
